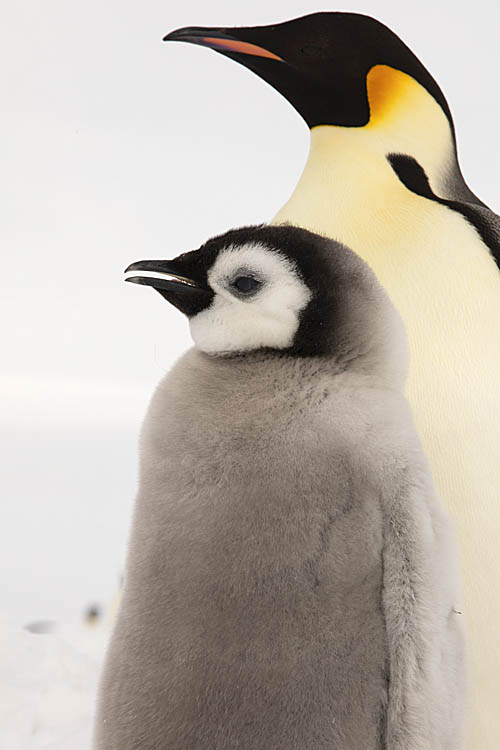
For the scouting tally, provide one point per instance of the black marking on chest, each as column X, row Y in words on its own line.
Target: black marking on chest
column 413, row 177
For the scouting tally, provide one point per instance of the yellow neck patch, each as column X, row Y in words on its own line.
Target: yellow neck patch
column 388, row 89
column 395, row 98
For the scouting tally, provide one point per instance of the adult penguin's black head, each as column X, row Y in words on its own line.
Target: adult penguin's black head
column 281, row 289
column 321, row 62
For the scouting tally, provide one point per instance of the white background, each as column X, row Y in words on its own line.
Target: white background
column 117, row 147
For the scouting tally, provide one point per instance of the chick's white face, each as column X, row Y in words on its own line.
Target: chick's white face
column 259, row 296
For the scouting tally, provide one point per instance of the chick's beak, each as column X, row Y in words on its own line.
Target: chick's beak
column 221, row 40
column 169, row 277
column 173, row 280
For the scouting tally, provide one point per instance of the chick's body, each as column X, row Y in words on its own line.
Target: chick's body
column 257, row 603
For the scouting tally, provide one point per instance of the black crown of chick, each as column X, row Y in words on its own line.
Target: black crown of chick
column 383, row 178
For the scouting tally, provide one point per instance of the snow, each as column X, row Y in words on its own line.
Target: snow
column 48, row 685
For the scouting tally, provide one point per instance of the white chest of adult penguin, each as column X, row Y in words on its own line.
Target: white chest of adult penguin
column 292, row 580
column 383, row 177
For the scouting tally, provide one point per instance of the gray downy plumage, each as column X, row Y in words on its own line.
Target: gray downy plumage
column 292, row 578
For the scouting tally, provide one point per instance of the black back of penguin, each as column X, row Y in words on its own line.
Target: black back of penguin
column 291, row 576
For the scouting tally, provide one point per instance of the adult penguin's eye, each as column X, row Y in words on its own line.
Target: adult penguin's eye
column 313, row 50
column 245, row 284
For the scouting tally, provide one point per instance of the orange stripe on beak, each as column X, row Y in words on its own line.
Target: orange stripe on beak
column 233, row 45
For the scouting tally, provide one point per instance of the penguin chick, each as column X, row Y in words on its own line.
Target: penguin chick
column 292, row 578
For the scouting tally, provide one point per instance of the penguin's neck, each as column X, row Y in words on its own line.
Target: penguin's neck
column 348, row 175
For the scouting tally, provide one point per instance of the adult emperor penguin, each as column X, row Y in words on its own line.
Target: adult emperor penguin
column 292, row 580
column 383, row 177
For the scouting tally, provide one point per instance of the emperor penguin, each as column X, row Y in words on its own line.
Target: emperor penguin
column 292, row 580
column 383, row 177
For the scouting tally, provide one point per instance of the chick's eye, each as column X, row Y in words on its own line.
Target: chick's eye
column 246, row 283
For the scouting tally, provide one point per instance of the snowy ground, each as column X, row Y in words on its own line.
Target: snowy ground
column 48, row 685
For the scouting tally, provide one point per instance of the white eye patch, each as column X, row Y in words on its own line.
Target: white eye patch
column 269, row 317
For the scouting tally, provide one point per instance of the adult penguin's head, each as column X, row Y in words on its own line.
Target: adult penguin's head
column 334, row 68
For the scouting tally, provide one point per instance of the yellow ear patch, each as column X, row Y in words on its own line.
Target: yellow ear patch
column 391, row 93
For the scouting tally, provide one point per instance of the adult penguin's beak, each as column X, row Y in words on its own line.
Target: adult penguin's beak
column 271, row 52
column 229, row 41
